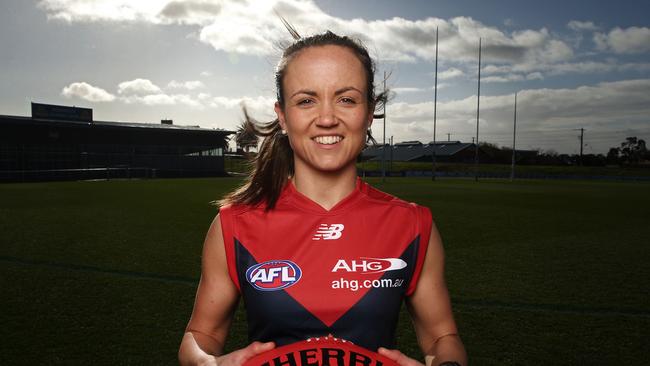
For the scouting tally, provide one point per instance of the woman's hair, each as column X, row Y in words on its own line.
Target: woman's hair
column 274, row 164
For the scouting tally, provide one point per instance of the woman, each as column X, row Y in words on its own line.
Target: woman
column 311, row 248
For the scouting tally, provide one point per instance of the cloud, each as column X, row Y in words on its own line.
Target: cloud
column 101, row 10
column 138, row 87
column 190, row 12
column 539, row 71
column 635, row 66
column 87, row 92
column 450, row 73
column 624, row 41
column 251, row 27
column 555, row 51
column 188, row 85
column 204, row 96
column 399, row 90
column 137, row 91
column 144, row 92
column 163, row 99
column 579, row 26
column 503, row 79
column 513, row 77
column 535, row 76
column 441, row 86
column 259, row 104
column 592, row 67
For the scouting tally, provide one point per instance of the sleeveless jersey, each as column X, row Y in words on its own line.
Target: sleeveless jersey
column 304, row 271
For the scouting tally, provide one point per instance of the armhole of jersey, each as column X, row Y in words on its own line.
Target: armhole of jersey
column 226, row 217
column 425, row 222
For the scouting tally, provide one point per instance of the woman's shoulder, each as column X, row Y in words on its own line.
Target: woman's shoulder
column 233, row 209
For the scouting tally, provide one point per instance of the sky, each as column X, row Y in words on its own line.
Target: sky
column 573, row 64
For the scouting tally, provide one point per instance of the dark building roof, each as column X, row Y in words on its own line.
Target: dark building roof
column 414, row 150
column 47, row 131
column 7, row 118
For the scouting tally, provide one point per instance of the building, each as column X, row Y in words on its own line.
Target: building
column 65, row 143
column 448, row 151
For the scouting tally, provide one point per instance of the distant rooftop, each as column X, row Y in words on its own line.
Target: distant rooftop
column 114, row 124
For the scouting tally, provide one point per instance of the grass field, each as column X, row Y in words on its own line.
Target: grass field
column 540, row 272
column 539, row 171
column 504, row 169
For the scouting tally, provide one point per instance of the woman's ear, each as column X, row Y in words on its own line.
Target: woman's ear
column 280, row 113
column 371, row 117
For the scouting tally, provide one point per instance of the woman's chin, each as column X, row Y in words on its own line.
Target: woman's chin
column 332, row 166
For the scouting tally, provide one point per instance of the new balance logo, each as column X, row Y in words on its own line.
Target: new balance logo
column 328, row 232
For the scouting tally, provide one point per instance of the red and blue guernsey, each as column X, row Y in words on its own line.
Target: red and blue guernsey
column 304, row 271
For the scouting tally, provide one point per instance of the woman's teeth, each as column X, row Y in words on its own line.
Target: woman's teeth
column 328, row 140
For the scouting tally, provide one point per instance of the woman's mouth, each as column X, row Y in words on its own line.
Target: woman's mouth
column 328, row 140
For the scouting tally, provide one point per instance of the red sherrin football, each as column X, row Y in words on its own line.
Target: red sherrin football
column 324, row 351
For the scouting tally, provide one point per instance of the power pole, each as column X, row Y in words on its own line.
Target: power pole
column 435, row 104
column 390, row 167
column 582, row 135
column 448, row 136
column 514, row 134
column 383, row 149
column 478, row 104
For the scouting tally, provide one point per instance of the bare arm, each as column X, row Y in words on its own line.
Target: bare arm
column 430, row 310
column 214, row 305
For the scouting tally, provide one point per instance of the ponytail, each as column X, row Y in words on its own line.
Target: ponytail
column 273, row 166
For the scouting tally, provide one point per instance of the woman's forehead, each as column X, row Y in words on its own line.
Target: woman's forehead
column 325, row 65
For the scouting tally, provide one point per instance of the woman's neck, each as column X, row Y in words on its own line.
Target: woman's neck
column 325, row 188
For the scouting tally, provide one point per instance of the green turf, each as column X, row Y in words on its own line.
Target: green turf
column 540, row 272
column 505, row 169
column 243, row 166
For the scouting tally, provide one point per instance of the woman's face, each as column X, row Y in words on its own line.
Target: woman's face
column 326, row 112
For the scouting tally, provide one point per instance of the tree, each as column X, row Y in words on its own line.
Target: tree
column 613, row 156
column 633, row 150
column 494, row 152
column 549, row 152
column 245, row 137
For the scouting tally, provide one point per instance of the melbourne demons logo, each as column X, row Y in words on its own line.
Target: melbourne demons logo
column 329, row 232
column 273, row 275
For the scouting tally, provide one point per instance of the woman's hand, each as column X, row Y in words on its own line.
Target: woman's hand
column 402, row 359
column 238, row 357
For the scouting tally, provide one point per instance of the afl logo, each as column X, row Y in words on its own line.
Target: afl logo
column 273, row 275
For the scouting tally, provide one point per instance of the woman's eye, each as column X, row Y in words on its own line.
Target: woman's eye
column 347, row 100
column 305, row 102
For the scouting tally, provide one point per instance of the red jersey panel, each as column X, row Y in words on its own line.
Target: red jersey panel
column 304, row 271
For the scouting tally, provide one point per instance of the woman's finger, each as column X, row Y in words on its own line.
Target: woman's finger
column 398, row 357
column 237, row 358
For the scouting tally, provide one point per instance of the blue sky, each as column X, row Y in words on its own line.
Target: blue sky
column 574, row 64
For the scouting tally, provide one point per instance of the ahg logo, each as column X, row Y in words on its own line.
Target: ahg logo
column 329, row 232
column 369, row 265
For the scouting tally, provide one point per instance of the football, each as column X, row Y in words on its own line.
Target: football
column 322, row 351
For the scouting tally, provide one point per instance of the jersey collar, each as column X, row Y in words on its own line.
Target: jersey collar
column 303, row 202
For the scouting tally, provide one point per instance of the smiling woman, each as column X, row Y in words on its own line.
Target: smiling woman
column 313, row 88
column 327, row 114
column 312, row 249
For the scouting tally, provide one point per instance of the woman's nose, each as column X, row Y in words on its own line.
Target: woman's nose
column 327, row 117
